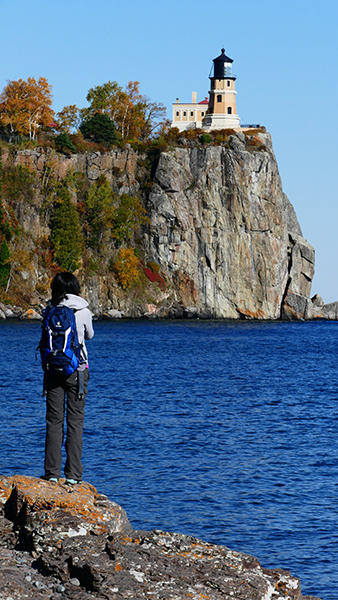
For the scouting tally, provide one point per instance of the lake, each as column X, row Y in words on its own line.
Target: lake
column 222, row 430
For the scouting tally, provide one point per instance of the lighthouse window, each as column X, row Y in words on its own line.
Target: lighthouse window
column 229, row 110
column 202, row 114
column 219, row 98
column 177, row 114
column 191, row 113
column 184, row 114
column 228, row 83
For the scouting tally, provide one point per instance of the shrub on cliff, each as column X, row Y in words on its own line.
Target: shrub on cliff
column 154, row 276
column 205, row 138
column 18, row 183
column 126, row 268
column 66, row 237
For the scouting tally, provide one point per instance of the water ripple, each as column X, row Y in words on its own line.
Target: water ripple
column 222, row 430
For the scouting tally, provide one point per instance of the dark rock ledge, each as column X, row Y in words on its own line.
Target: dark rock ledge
column 58, row 543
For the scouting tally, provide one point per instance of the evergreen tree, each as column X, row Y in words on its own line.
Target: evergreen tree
column 66, row 237
column 5, row 266
column 100, row 129
column 64, row 144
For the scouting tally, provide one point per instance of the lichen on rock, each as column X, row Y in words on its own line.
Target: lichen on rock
column 59, row 542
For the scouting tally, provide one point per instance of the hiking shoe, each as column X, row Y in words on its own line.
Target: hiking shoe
column 52, row 479
column 73, row 481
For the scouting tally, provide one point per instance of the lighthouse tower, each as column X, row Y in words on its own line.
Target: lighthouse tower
column 222, row 112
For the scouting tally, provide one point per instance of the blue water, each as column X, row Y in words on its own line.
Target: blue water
column 222, row 430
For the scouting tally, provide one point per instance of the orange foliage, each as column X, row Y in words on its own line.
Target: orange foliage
column 126, row 267
column 26, row 105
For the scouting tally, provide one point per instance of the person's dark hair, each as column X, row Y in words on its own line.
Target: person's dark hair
column 64, row 283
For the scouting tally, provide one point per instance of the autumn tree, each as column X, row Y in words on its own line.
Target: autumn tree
column 134, row 115
column 25, row 106
column 126, row 268
column 68, row 119
column 103, row 99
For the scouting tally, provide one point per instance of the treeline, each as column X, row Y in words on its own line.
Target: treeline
column 91, row 227
column 113, row 116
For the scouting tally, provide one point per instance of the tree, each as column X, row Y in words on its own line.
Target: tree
column 25, row 106
column 68, row 119
column 5, row 266
column 128, row 216
column 104, row 99
column 97, row 212
column 154, row 117
column 134, row 115
column 66, row 237
column 126, row 268
column 100, row 129
column 64, row 144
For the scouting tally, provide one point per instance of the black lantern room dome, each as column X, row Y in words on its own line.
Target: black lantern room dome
column 222, row 67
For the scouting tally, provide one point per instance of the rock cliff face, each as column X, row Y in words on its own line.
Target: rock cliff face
column 58, row 542
column 225, row 235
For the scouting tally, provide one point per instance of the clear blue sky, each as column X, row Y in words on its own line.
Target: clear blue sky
column 285, row 59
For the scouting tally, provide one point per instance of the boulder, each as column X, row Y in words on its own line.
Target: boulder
column 31, row 314
column 113, row 313
column 317, row 301
column 328, row 311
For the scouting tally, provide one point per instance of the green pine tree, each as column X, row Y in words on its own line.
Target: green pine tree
column 100, row 129
column 66, row 238
column 5, row 266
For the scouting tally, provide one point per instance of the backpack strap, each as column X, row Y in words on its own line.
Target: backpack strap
column 80, row 381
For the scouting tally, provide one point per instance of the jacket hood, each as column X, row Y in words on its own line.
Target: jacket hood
column 75, row 302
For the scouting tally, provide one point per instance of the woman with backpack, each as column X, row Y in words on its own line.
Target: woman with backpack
column 67, row 323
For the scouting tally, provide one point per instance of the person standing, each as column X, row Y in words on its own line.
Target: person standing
column 59, row 387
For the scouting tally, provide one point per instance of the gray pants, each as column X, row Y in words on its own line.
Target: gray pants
column 57, row 389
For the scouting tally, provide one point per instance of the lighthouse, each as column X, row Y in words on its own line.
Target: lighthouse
column 222, row 111
column 217, row 112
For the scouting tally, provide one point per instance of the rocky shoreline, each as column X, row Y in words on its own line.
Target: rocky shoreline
column 60, row 543
column 318, row 310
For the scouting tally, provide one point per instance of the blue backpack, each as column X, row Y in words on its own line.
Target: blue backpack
column 59, row 346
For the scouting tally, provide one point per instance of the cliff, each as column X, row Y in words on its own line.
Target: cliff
column 227, row 233
column 58, row 542
column 223, row 234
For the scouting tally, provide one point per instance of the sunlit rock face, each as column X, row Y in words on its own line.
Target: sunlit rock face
column 222, row 231
column 225, row 231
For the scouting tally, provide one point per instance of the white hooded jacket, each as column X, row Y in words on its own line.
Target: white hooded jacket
column 83, row 320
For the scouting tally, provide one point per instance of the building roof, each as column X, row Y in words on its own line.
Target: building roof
column 223, row 57
column 205, row 101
